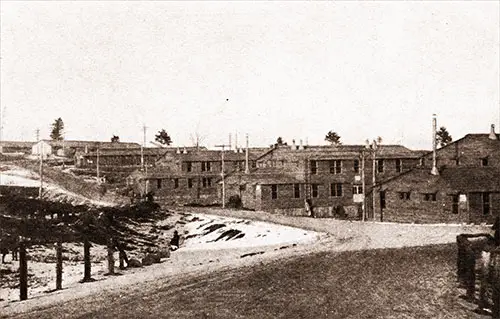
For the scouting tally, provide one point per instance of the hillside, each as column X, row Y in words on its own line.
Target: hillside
column 59, row 184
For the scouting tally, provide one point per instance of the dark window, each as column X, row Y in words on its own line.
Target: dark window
column 205, row 166
column 356, row 166
column 206, row 182
column 357, row 189
column 296, row 190
column 314, row 188
column 190, row 183
column 274, row 191
column 399, row 165
column 486, row 203
column 335, row 167
column 380, row 166
column 254, row 164
column 382, row 200
column 158, row 183
column 314, row 167
column 454, row 204
column 189, row 166
column 176, row 183
column 336, row 190
column 404, row 195
column 484, row 162
column 457, row 161
column 430, row 197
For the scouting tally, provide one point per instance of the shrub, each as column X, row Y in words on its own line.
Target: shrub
column 234, row 202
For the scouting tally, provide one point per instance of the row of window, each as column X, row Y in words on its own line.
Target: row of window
column 336, row 190
column 205, row 182
column 485, row 200
column 207, row 166
column 336, row 166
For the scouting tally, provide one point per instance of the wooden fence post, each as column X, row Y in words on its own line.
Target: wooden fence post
column 111, row 259
column 495, row 282
column 23, row 271
column 59, row 264
column 86, row 260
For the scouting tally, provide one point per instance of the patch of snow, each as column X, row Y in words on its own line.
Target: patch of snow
column 12, row 180
column 206, row 232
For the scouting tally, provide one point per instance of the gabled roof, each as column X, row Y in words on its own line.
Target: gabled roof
column 453, row 179
column 127, row 152
column 92, row 144
column 325, row 152
column 20, row 144
column 216, row 155
column 264, row 176
column 476, row 137
column 472, row 179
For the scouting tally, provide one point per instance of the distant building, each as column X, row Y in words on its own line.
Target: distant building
column 42, row 147
column 16, row 147
column 68, row 147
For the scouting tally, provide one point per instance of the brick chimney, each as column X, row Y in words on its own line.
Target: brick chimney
column 301, row 147
column 493, row 135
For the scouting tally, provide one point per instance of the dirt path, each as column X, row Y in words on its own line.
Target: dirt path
column 186, row 265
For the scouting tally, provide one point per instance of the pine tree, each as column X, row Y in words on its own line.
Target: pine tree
column 333, row 138
column 163, row 138
column 57, row 133
column 443, row 138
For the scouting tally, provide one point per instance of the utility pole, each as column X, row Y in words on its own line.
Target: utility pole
column 97, row 163
column 374, row 178
column 222, row 175
column 40, row 150
column 143, row 164
column 363, row 186
column 247, row 167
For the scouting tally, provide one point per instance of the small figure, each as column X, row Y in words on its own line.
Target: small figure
column 122, row 255
column 174, row 242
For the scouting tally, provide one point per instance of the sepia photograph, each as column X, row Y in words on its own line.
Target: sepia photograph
column 250, row 159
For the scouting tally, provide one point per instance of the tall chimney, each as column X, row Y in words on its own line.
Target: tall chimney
column 230, row 147
column 493, row 135
column 434, row 170
column 293, row 145
column 247, row 169
column 301, row 146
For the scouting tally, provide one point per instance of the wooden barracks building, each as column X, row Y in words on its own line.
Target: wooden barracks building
column 464, row 187
column 334, row 180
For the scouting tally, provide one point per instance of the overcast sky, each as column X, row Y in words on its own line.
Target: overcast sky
column 269, row 69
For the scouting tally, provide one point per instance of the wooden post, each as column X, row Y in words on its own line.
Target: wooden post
column 495, row 282
column 59, row 264
column 23, row 271
column 111, row 259
column 86, row 260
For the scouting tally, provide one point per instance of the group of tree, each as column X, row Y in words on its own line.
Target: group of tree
column 443, row 137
